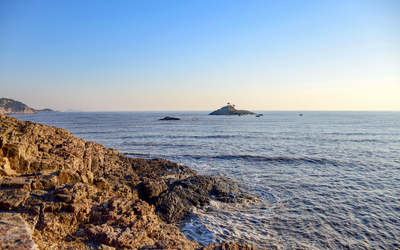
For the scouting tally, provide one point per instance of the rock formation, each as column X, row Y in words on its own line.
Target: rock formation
column 230, row 110
column 169, row 118
column 9, row 106
column 73, row 194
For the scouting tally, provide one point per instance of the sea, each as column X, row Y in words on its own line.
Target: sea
column 328, row 180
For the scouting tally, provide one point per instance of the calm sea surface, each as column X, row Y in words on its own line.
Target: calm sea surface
column 327, row 179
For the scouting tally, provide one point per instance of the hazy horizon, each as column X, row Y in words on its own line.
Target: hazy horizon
column 197, row 56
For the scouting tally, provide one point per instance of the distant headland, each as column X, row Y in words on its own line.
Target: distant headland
column 229, row 109
column 10, row 106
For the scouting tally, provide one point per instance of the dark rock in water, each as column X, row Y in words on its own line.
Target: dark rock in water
column 198, row 191
column 81, row 195
column 167, row 118
column 230, row 110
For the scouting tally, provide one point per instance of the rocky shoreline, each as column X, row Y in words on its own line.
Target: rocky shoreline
column 61, row 192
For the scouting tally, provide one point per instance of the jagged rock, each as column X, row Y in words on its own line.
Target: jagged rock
column 103, row 184
column 22, row 182
column 68, row 176
column 74, row 193
column 105, row 247
column 137, row 226
column 154, row 188
column 15, row 234
column 12, row 198
column 5, row 168
column 122, row 190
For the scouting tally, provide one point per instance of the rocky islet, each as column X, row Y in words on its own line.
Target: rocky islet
column 73, row 194
column 230, row 110
column 169, row 118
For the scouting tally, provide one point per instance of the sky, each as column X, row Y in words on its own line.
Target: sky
column 199, row 55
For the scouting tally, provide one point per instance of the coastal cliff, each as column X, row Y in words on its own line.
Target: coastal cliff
column 230, row 110
column 9, row 106
column 61, row 192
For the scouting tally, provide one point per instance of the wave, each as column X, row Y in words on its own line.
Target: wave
column 184, row 136
column 140, row 155
column 93, row 132
column 250, row 158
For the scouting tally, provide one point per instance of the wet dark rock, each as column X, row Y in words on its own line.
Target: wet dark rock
column 198, row 191
column 154, row 188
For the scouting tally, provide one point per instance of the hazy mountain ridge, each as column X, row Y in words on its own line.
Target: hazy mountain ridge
column 10, row 106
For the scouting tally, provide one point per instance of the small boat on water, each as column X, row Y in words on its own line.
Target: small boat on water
column 258, row 115
column 301, row 114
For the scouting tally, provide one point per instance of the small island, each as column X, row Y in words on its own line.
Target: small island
column 168, row 118
column 229, row 109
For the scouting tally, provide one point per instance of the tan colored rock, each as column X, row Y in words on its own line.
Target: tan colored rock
column 5, row 168
column 86, row 177
column 122, row 190
column 68, row 176
column 74, row 193
column 103, row 184
column 105, row 247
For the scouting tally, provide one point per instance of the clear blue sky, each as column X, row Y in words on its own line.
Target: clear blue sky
column 198, row 55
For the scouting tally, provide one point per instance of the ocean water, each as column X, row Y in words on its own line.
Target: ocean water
column 328, row 180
